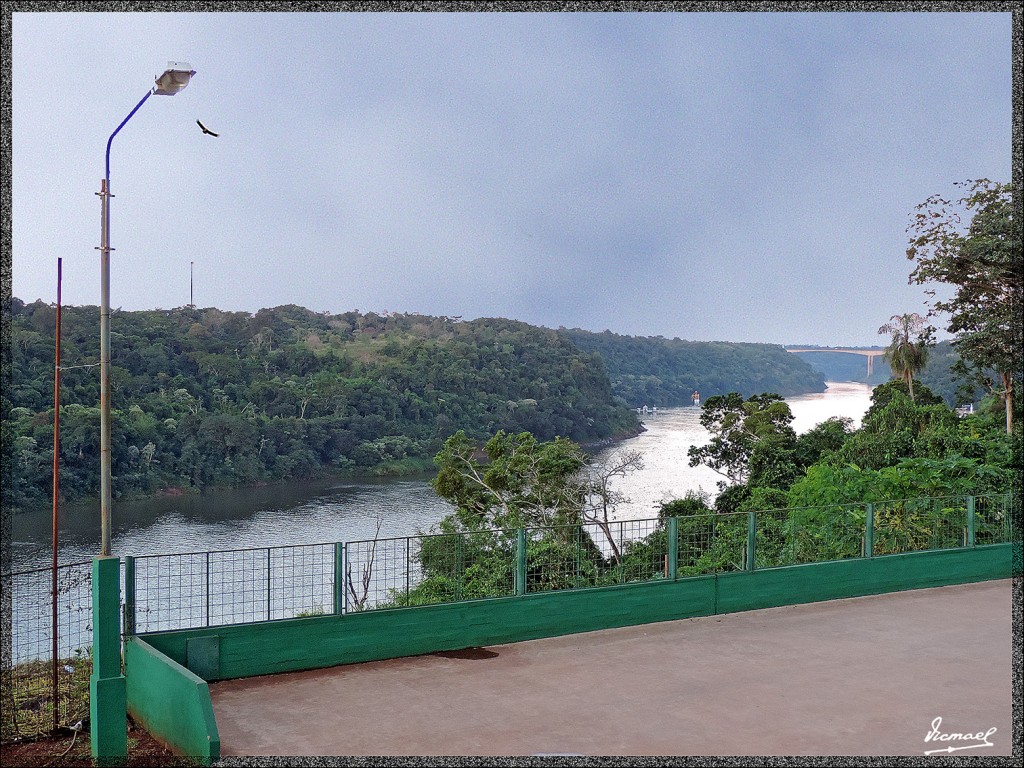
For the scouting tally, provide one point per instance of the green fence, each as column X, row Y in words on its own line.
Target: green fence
column 168, row 592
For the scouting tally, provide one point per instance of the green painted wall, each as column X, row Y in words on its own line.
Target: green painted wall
column 170, row 702
column 322, row 641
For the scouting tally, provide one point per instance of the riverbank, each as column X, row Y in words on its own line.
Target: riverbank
column 345, row 506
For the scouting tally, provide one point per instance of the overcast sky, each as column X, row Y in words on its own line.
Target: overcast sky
column 711, row 176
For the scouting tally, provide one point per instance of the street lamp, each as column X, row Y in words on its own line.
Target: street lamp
column 107, row 688
column 173, row 80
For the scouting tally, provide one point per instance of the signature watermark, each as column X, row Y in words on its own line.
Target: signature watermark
column 936, row 735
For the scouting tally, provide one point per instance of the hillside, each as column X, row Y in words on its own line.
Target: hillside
column 206, row 398
column 665, row 372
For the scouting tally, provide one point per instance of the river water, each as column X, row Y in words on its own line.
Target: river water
column 328, row 511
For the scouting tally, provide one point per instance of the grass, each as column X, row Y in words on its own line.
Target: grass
column 28, row 696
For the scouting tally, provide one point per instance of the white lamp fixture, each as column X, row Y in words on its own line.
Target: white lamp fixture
column 174, row 78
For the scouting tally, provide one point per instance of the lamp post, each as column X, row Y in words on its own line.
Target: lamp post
column 173, row 80
column 107, row 699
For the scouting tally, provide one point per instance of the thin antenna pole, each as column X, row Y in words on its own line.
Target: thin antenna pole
column 191, row 302
column 56, row 489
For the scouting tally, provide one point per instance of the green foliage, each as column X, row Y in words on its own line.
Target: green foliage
column 665, row 372
column 907, row 353
column 693, row 503
column 521, row 482
column 894, row 429
column 204, row 398
column 985, row 265
column 909, row 478
column 748, row 437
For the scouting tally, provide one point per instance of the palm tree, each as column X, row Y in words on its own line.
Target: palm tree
column 907, row 353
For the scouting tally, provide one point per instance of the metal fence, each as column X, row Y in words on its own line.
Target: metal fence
column 42, row 692
column 235, row 586
column 184, row 591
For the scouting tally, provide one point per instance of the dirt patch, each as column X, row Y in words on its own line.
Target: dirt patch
column 59, row 751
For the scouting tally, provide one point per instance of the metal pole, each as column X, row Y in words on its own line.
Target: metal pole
column 751, row 539
column 129, row 595
column 521, row 561
column 339, row 578
column 105, row 250
column 191, row 303
column 104, row 194
column 869, row 530
column 673, row 548
column 970, row 521
column 56, row 491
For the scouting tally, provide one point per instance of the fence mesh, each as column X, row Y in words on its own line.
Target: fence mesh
column 428, row 569
column 993, row 519
column 238, row 586
column 809, row 534
column 28, row 664
column 916, row 524
column 595, row 554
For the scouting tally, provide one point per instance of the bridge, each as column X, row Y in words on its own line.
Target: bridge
column 870, row 354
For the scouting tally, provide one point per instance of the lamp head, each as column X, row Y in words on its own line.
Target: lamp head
column 174, row 78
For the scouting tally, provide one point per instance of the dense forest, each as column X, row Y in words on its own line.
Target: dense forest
column 203, row 398
column 665, row 372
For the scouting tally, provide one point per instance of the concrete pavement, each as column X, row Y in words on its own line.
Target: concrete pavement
column 862, row 676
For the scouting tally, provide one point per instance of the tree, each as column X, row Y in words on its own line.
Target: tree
column 985, row 264
column 908, row 351
column 738, row 427
column 523, row 482
column 602, row 499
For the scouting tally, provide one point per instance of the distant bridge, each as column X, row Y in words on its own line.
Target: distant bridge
column 870, row 354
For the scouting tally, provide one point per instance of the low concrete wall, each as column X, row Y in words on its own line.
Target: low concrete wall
column 171, row 703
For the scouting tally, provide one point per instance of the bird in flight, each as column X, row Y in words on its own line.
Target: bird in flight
column 206, row 130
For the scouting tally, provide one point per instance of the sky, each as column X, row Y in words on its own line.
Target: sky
column 707, row 176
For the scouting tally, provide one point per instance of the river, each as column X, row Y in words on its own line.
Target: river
column 327, row 511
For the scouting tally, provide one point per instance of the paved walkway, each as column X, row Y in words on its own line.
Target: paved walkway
column 863, row 676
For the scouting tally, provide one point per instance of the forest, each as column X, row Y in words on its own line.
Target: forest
column 203, row 398
column 665, row 372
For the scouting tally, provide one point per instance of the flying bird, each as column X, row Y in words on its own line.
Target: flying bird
column 206, row 130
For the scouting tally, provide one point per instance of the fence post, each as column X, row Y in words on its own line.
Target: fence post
column 521, row 561
column 339, row 577
column 970, row 521
column 673, row 548
column 207, row 588
column 129, row 595
column 269, row 616
column 459, row 569
column 108, row 712
column 751, row 537
column 869, row 530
